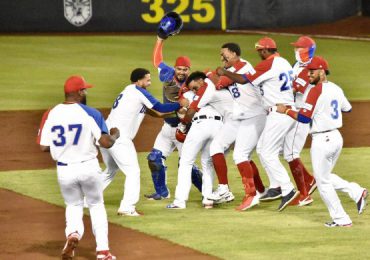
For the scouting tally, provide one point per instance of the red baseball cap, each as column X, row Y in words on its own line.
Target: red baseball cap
column 318, row 62
column 183, row 61
column 75, row 83
column 303, row 42
column 265, row 43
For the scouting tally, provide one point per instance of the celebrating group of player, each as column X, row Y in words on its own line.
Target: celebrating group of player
column 270, row 108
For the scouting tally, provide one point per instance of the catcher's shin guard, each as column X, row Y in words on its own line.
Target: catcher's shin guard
column 196, row 177
column 158, row 170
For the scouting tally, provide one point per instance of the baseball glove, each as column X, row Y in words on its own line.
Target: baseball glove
column 171, row 91
column 170, row 24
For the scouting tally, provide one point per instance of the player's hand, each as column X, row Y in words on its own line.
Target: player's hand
column 184, row 102
column 181, row 113
column 280, row 108
column 114, row 132
column 220, row 71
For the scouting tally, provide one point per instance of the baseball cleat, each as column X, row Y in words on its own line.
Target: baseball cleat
column 285, row 200
column 271, row 194
column 207, row 204
column 334, row 224
column 226, row 198
column 221, row 192
column 361, row 204
column 174, row 206
column 301, row 201
column 104, row 255
column 248, row 202
column 132, row 213
column 68, row 251
column 156, row 196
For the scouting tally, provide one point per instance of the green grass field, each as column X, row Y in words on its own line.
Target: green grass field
column 261, row 233
column 32, row 74
column 33, row 69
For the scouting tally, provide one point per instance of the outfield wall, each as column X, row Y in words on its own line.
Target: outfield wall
column 144, row 15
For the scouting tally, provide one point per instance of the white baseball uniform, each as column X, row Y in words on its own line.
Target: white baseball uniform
column 71, row 131
column 296, row 138
column 324, row 104
column 199, row 137
column 246, row 122
column 127, row 113
column 273, row 77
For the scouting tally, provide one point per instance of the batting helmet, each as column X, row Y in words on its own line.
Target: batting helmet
column 170, row 24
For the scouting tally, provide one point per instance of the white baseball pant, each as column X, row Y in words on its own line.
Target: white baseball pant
column 76, row 181
column 122, row 155
column 198, row 139
column 325, row 151
column 276, row 128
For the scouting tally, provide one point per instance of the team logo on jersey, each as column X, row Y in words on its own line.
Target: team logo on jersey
column 78, row 12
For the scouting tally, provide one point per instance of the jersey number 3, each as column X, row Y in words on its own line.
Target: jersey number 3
column 334, row 105
column 61, row 141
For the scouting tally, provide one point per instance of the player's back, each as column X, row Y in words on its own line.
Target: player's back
column 71, row 131
column 247, row 102
column 331, row 101
column 220, row 100
column 128, row 110
column 274, row 78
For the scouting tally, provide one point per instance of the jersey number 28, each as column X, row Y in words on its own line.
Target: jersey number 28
column 61, row 141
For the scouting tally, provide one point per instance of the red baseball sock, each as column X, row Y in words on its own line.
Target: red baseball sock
column 220, row 166
column 308, row 178
column 246, row 171
column 257, row 179
column 296, row 167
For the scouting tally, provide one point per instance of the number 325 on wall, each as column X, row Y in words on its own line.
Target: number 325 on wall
column 205, row 15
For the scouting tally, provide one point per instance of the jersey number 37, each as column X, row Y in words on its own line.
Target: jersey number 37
column 61, row 138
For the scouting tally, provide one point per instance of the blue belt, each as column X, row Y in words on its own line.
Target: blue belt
column 62, row 164
column 66, row 164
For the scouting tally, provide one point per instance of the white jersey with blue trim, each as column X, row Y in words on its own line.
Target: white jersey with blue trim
column 129, row 109
column 71, row 131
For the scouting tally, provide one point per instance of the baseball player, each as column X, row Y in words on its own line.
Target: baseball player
column 204, row 114
column 243, row 127
column 165, row 143
column 273, row 77
column 323, row 109
column 70, row 132
column 296, row 138
column 127, row 113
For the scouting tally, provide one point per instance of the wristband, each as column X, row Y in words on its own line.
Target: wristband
column 287, row 111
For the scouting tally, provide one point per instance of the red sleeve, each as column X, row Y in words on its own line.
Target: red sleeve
column 42, row 123
column 301, row 83
column 311, row 101
column 238, row 65
column 198, row 97
column 157, row 53
column 260, row 69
